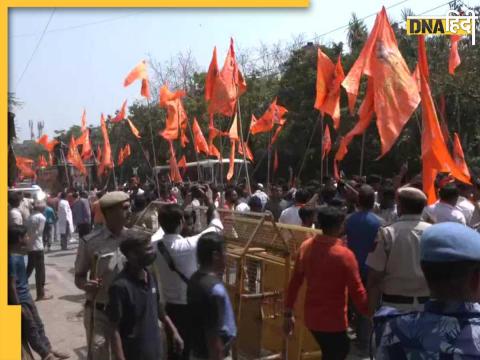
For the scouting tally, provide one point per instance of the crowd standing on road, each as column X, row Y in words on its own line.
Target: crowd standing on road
column 385, row 272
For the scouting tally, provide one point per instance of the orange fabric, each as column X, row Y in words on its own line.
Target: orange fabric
column 139, row 72
column 325, row 69
column 454, row 58
column 134, row 130
column 435, row 154
column 331, row 103
column 174, row 172
column 84, row 120
column 231, row 167
column 327, row 142
column 106, row 162
column 84, row 140
column 273, row 115
column 233, row 133
column 43, row 140
column 24, row 166
column 199, row 141
column 248, row 154
column 212, row 134
column 121, row 157
column 442, row 108
column 176, row 120
column 74, row 157
column 121, row 114
column 395, row 92
column 166, row 95
column 459, row 157
column 422, row 58
column 127, row 151
column 42, row 162
column 275, row 161
column 223, row 88
column 276, row 134
column 182, row 163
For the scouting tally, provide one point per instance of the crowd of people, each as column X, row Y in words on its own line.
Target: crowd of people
column 400, row 277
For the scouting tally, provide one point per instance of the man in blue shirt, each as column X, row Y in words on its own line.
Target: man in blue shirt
column 361, row 229
column 213, row 326
column 449, row 326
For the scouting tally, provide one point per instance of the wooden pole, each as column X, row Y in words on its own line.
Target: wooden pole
column 362, row 153
column 269, row 157
column 308, row 148
column 243, row 147
column 199, row 173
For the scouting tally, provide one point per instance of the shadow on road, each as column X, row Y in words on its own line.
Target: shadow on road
column 73, row 298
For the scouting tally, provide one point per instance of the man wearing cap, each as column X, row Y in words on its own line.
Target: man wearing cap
column 394, row 274
column 97, row 263
column 449, row 326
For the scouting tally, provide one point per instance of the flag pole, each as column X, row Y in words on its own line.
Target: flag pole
column 155, row 177
column 269, row 157
column 320, row 117
column 65, row 165
column 362, row 153
column 199, row 173
column 244, row 148
column 308, row 147
column 241, row 165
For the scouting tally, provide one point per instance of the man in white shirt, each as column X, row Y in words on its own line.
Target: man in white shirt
column 36, row 257
column 14, row 214
column 260, row 193
column 176, row 262
column 463, row 204
column 65, row 220
column 290, row 215
column 445, row 209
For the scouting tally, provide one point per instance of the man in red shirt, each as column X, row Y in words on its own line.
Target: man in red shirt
column 331, row 273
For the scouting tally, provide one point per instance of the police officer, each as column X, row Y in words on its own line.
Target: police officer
column 448, row 327
column 395, row 277
column 97, row 263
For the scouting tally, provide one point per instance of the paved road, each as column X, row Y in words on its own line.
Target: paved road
column 62, row 315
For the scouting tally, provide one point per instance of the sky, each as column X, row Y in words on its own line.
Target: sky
column 86, row 53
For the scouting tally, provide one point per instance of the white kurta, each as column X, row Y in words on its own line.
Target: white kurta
column 64, row 217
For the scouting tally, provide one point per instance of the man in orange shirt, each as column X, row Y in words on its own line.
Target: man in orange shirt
column 331, row 273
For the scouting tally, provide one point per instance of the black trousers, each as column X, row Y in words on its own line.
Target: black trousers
column 47, row 235
column 83, row 229
column 179, row 316
column 334, row 345
column 36, row 261
column 33, row 331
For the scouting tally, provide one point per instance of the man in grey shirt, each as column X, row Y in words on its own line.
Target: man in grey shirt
column 82, row 216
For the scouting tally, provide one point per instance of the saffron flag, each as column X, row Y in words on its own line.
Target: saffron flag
column 139, row 72
column 84, row 140
column 212, row 134
column 223, row 88
column 182, row 163
column 48, row 145
column 248, row 153
column 121, row 157
column 329, row 80
column 199, row 141
column 24, row 166
column 84, row 120
column 454, row 58
column 134, row 130
column 442, row 107
column 231, row 167
column 74, row 157
column 176, row 122
column 422, row 58
column 273, row 115
column 233, row 133
column 459, row 157
column 174, row 172
column 121, row 114
column 42, row 162
column 127, row 151
column 99, row 155
column 396, row 95
column 326, row 142
column 106, row 162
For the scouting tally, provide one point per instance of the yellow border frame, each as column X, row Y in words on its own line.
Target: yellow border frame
column 10, row 315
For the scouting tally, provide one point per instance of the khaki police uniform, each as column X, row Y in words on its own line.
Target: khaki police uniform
column 397, row 255
column 99, row 252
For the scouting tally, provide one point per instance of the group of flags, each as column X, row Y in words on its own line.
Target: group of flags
column 392, row 94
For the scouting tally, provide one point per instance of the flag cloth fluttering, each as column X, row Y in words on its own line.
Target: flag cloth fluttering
column 459, row 157
column 174, row 172
column 454, row 59
column 233, row 135
column 134, row 130
column 329, row 80
column 224, row 87
column 48, row 145
column 84, row 120
column 123, row 154
column 199, row 141
column 139, row 72
column 273, row 115
column 176, row 122
column 248, row 154
column 84, row 140
column 182, row 163
column 106, row 158
column 42, row 162
column 24, row 166
column 326, row 142
column 396, row 95
column 121, row 114
column 74, row 157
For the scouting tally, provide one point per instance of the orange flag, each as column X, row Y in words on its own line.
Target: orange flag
column 121, row 114
column 327, row 142
column 248, row 154
column 233, row 133
column 84, row 120
column 99, row 155
column 121, row 157
column 273, row 115
column 199, row 141
column 395, row 91
column 24, row 166
column 42, row 162
column 166, row 95
column 139, row 72
column 176, row 115
column 106, row 162
column 43, row 140
column 329, row 80
column 422, row 58
column 223, row 88
column 74, row 157
column 459, row 157
column 182, row 163
column 134, row 130
column 212, row 134
column 127, row 151
column 174, row 172
column 84, row 140
column 454, row 58
column 275, row 162
column 231, row 167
